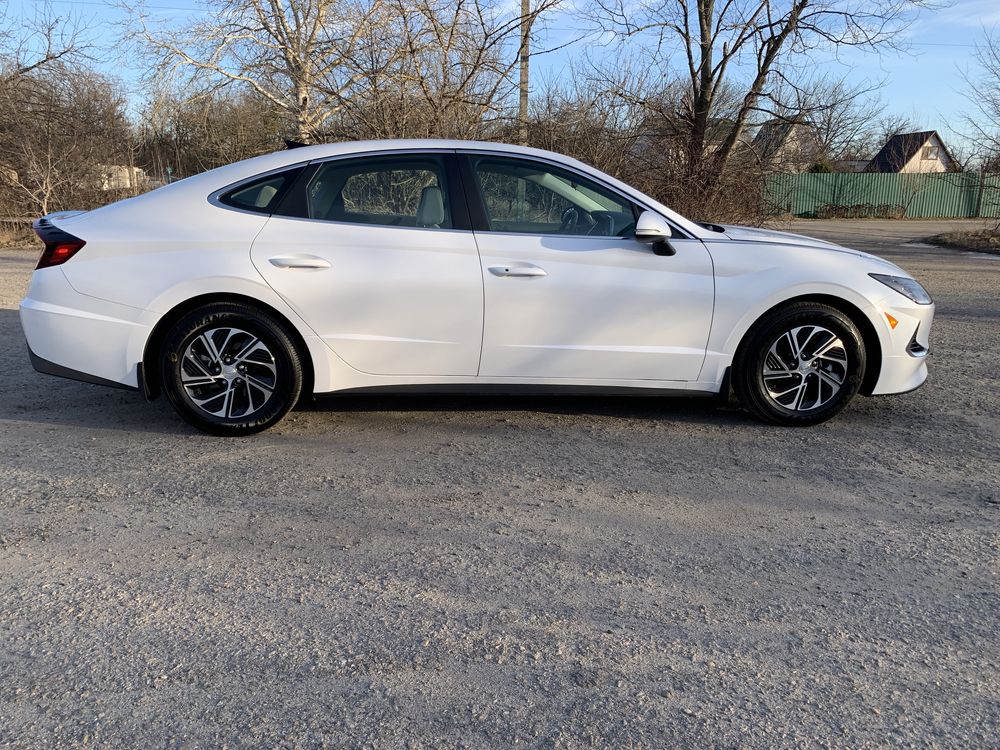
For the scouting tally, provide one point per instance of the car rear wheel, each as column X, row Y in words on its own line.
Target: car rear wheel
column 230, row 369
column 800, row 365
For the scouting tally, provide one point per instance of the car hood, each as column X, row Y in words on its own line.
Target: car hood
column 771, row 236
column 754, row 234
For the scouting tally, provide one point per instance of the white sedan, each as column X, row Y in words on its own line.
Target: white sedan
column 453, row 265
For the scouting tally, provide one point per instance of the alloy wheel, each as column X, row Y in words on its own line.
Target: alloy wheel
column 805, row 368
column 228, row 372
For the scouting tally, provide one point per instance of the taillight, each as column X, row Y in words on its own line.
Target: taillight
column 60, row 245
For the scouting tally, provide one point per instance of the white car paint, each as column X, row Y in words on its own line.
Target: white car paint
column 583, row 315
column 395, row 300
column 400, row 306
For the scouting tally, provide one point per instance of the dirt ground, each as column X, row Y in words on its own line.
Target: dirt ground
column 467, row 572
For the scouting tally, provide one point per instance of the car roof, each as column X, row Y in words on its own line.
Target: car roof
column 302, row 154
column 323, row 150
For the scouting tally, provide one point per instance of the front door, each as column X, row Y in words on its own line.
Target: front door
column 378, row 267
column 570, row 293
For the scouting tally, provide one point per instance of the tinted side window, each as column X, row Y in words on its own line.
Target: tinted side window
column 261, row 195
column 405, row 191
column 534, row 198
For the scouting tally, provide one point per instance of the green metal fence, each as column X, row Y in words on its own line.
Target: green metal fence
column 862, row 195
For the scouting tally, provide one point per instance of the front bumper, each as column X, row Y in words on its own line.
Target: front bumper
column 904, row 348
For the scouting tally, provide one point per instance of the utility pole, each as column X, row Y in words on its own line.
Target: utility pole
column 524, row 54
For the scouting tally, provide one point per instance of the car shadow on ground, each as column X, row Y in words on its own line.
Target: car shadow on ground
column 44, row 399
column 639, row 406
column 70, row 403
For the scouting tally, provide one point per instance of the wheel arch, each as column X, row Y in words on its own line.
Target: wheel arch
column 150, row 379
column 869, row 336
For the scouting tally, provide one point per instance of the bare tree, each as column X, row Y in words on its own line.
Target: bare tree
column 37, row 42
column 889, row 125
column 627, row 119
column 294, row 54
column 982, row 89
column 749, row 45
column 842, row 118
column 357, row 68
column 64, row 141
column 458, row 62
column 438, row 68
column 179, row 136
column 585, row 118
column 44, row 147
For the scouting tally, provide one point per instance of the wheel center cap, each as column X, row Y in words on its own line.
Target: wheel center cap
column 229, row 372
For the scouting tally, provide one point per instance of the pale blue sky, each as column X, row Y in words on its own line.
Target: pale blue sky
column 924, row 83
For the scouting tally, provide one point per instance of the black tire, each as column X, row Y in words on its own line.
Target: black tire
column 259, row 394
column 804, row 396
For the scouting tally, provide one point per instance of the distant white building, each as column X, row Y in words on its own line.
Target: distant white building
column 909, row 153
column 122, row 177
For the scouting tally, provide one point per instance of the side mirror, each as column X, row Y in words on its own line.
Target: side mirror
column 653, row 229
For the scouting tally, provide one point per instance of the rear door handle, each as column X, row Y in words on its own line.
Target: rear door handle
column 518, row 270
column 299, row 261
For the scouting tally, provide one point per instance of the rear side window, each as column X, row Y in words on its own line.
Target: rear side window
column 261, row 195
column 402, row 191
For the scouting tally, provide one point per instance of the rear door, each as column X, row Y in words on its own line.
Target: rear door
column 375, row 253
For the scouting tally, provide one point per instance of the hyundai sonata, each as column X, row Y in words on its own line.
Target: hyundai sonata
column 452, row 265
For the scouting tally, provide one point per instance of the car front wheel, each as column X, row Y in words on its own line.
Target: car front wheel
column 800, row 365
column 230, row 369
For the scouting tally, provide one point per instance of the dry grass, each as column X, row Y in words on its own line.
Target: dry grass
column 16, row 237
column 986, row 240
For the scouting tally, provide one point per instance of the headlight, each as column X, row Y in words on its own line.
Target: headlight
column 909, row 288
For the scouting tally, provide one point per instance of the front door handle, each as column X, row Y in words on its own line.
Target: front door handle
column 299, row 261
column 525, row 269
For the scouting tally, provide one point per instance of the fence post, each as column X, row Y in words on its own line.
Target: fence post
column 979, row 194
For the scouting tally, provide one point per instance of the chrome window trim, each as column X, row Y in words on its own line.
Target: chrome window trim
column 213, row 197
column 368, row 226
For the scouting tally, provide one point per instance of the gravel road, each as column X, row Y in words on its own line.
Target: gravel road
column 509, row 572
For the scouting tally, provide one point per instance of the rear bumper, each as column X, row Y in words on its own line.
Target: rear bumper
column 79, row 337
column 51, row 368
